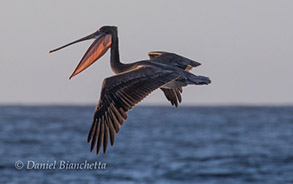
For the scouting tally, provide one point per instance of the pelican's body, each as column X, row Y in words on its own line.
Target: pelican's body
column 132, row 83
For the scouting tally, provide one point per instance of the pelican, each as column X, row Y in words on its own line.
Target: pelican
column 131, row 83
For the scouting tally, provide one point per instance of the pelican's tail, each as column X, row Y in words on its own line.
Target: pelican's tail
column 198, row 80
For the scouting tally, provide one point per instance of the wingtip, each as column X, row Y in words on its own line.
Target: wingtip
column 197, row 64
column 92, row 144
column 98, row 150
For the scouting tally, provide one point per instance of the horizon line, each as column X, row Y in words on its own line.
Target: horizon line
column 155, row 104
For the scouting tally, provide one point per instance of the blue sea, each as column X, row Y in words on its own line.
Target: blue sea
column 206, row 145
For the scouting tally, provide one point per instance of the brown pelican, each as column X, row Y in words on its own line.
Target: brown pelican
column 132, row 82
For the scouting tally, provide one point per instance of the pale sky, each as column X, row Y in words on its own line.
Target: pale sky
column 245, row 47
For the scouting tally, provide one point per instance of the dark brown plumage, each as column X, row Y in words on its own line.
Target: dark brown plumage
column 131, row 84
column 173, row 95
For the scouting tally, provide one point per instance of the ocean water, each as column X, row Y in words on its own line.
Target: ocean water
column 206, row 145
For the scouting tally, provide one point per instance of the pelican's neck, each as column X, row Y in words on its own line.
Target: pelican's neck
column 116, row 65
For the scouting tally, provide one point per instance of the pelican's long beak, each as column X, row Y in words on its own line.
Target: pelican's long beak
column 97, row 49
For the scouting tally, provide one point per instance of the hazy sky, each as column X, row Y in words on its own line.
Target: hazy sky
column 245, row 47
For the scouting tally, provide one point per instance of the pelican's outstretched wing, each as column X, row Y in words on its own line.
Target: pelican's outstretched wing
column 119, row 94
column 173, row 60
